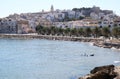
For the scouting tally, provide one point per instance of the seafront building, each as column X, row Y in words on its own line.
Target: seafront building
column 77, row 24
column 8, row 26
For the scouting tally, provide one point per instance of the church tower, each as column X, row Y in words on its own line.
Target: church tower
column 52, row 8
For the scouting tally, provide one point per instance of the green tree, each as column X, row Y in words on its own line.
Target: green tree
column 106, row 31
column 60, row 31
column 88, row 32
column 116, row 32
column 73, row 31
column 53, row 30
column 80, row 32
column 39, row 29
column 96, row 32
column 81, row 17
column 67, row 31
column 46, row 30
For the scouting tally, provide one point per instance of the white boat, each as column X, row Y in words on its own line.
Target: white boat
column 116, row 61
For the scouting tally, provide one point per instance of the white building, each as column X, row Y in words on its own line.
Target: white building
column 94, row 16
column 71, row 14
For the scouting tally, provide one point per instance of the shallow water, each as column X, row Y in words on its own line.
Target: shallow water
column 47, row 59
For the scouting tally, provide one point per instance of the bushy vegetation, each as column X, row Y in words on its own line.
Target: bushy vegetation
column 80, row 32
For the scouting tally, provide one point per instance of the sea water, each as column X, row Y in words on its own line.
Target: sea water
column 50, row 59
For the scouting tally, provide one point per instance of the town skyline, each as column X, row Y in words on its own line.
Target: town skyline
column 11, row 7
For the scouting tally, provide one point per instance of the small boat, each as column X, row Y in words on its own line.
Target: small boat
column 91, row 54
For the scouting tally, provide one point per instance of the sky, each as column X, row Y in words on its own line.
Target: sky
column 8, row 7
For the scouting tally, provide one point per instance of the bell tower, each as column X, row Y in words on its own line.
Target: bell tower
column 52, row 8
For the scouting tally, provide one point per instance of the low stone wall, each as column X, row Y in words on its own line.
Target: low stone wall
column 66, row 38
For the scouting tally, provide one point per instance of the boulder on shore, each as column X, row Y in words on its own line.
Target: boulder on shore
column 103, row 72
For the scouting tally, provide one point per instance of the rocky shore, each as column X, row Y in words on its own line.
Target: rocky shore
column 108, row 44
column 96, row 41
column 104, row 72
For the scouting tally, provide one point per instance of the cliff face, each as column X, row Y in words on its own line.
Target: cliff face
column 103, row 72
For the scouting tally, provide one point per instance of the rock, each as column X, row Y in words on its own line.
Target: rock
column 117, row 70
column 96, row 69
column 103, row 72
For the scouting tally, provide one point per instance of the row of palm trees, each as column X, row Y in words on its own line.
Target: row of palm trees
column 84, row 32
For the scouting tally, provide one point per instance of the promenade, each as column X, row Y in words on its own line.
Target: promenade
column 50, row 37
column 100, row 42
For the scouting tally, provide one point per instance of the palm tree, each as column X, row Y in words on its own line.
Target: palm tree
column 116, row 32
column 60, row 31
column 67, row 31
column 96, row 32
column 106, row 32
column 73, row 32
column 88, row 32
column 48, row 30
column 44, row 30
column 53, row 31
column 80, row 32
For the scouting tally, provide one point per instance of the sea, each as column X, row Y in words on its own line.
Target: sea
column 51, row 59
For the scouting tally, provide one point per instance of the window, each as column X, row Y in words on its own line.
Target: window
column 100, row 26
column 109, row 25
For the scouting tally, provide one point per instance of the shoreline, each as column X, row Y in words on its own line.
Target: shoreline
column 99, row 42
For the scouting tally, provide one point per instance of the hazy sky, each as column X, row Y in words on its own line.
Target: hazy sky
column 23, row 6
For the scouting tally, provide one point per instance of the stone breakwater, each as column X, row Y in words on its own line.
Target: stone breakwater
column 104, row 72
column 50, row 37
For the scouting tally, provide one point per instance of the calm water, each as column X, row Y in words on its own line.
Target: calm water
column 47, row 59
